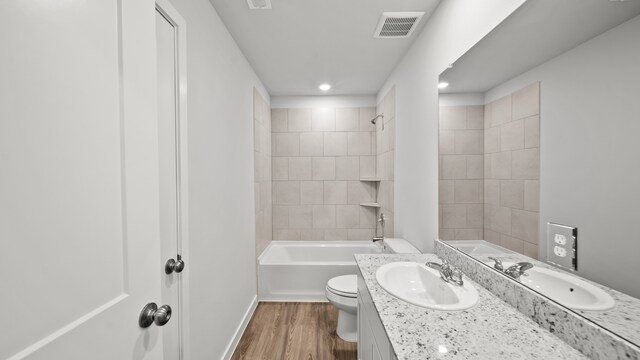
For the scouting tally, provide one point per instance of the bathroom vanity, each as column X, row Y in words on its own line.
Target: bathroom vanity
column 390, row 328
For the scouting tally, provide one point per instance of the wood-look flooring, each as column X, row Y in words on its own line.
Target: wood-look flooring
column 296, row 331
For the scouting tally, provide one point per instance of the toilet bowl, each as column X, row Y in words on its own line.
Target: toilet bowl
column 342, row 291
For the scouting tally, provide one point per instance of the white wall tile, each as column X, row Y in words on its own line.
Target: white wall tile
column 532, row 195
column 300, row 168
column 467, row 234
column 367, row 167
column 512, row 193
column 286, row 234
column 368, row 216
column 475, row 166
column 359, row 234
column 501, row 165
column 299, row 120
column 335, row 143
column 487, row 116
column 532, row 132
column 348, row 216
column 501, row 111
column 512, row 135
column 323, row 119
column 300, row 217
column 469, row 141
column 311, row 234
column 475, row 117
column 287, row 193
column 279, row 120
column 311, row 192
column 287, row 144
column 445, row 190
column 311, row 144
column 323, row 168
column 492, row 140
column 280, row 216
column 347, row 168
column 446, row 143
column 467, row 191
column 358, row 192
column 454, row 215
column 335, row 234
column 512, row 243
column 492, row 191
column 453, row 167
column 366, row 114
column 335, row 192
column 524, row 225
column 324, row 216
column 347, row 119
column 526, row 164
column 453, row 118
column 359, row 143
column 475, row 216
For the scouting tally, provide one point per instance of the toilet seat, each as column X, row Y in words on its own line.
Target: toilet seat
column 345, row 285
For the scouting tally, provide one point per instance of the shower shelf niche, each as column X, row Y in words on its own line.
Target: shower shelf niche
column 370, row 204
column 370, row 180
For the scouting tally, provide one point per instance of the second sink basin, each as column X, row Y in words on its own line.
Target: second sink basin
column 421, row 285
column 567, row 290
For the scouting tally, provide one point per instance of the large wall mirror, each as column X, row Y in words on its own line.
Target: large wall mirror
column 540, row 125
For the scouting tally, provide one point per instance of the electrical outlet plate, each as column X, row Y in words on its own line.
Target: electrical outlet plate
column 562, row 246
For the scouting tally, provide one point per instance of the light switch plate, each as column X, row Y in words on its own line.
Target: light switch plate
column 562, row 246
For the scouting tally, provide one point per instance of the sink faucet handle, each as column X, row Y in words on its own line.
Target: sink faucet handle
column 456, row 276
column 498, row 263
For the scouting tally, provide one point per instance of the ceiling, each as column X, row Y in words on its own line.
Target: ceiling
column 536, row 32
column 300, row 44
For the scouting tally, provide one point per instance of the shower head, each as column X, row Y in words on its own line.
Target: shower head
column 375, row 119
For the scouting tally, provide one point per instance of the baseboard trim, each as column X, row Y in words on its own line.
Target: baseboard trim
column 241, row 328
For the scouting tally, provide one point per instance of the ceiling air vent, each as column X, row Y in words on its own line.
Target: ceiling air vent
column 397, row 24
column 259, row 4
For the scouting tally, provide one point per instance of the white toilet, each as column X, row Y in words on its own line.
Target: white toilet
column 342, row 291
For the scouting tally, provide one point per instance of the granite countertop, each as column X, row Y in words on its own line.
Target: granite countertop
column 623, row 319
column 490, row 330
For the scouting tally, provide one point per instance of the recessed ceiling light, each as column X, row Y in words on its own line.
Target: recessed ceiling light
column 324, row 87
column 443, row 85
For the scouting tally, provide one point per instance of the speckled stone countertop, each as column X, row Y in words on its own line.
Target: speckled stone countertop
column 623, row 319
column 490, row 330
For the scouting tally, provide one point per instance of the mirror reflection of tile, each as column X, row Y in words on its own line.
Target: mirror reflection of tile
column 490, row 170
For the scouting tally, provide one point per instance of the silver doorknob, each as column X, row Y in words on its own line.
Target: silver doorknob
column 173, row 265
column 152, row 314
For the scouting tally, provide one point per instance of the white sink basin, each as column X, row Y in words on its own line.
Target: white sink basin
column 567, row 290
column 421, row 285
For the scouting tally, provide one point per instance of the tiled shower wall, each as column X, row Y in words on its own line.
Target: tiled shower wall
column 512, row 171
column 385, row 140
column 461, row 172
column 262, row 171
column 319, row 156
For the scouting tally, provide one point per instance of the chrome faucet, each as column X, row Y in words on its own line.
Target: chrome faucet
column 377, row 237
column 515, row 270
column 447, row 272
column 498, row 264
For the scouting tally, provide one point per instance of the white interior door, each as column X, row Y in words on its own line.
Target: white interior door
column 78, row 180
column 170, row 35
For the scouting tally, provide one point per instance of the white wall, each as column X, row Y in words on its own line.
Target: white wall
column 322, row 101
column 590, row 153
column 221, row 265
column 461, row 99
column 455, row 27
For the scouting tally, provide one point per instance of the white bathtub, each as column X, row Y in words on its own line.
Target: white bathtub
column 299, row 271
